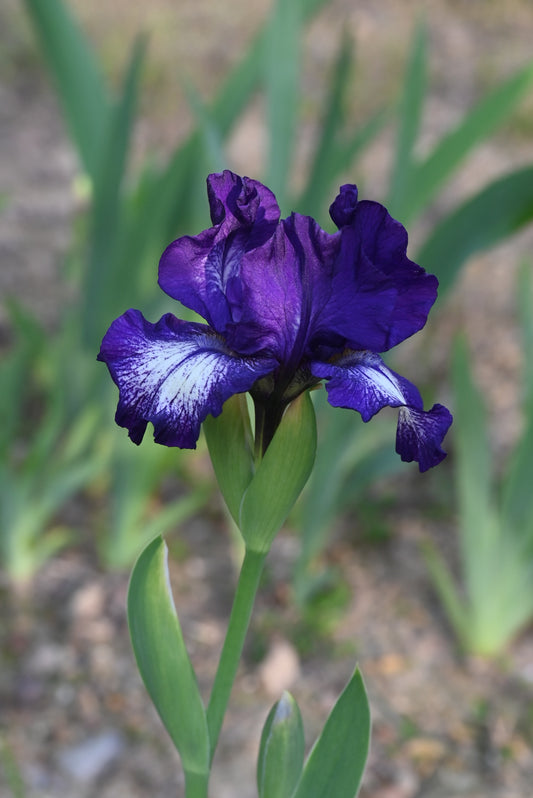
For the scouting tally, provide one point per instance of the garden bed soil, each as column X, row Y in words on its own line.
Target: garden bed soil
column 75, row 718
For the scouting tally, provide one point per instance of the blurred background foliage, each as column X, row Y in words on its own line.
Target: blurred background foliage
column 302, row 115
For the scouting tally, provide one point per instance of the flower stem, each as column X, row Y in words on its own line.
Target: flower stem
column 196, row 785
column 241, row 612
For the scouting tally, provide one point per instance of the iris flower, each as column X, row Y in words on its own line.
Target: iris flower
column 286, row 306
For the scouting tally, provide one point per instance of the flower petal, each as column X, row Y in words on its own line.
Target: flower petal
column 286, row 285
column 420, row 433
column 379, row 296
column 361, row 381
column 173, row 374
column 203, row 271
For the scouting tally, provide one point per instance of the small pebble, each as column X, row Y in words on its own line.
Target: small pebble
column 280, row 669
column 88, row 760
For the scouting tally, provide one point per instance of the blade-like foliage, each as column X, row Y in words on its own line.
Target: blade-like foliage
column 282, row 77
column 320, row 173
column 482, row 221
column 410, row 115
column 493, row 110
column 104, row 284
column 281, row 752
column 76, row 72
column 163, row 660
column 337, row 760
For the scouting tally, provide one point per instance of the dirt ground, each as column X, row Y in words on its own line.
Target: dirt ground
column 73, row 712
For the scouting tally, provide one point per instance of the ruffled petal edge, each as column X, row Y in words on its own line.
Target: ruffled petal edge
column 172, row 374
column 361, row 381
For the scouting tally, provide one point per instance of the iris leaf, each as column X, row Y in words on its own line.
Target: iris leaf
column 337, row 760
column 335, row 151
column 211, row 135
column 163, row 660
column 76, row 72
column 282, row 77
column 104, row 282
column 320, row 173
column 474, row 478
column 493, row 214
column 493, row 110
column 517, row 496
column 281, row 752
column 525, row 308
column 410, row 115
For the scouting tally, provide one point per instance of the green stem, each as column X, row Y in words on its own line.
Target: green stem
column 196, row 784
column 241, row 612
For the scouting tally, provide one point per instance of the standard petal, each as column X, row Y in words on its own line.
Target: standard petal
column 286, row 285
column 173, row 374
column 203, row 271
column 379, row 296
column 361, row 381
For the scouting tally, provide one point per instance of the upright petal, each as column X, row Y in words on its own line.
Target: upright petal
column 173, row 374
column 379, row 296
column 203, row 271
column 361, row 381
column 286, row 285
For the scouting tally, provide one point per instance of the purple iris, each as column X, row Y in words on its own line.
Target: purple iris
column 287, row 305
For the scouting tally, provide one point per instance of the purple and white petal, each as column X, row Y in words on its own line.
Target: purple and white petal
column 361, row 381
column 420, row 433
column 172, row 374
column 203, row 271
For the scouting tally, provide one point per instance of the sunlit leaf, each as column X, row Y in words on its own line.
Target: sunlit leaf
column 163, row 660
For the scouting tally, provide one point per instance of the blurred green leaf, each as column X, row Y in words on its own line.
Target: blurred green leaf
column 282, row 77
column 493, row 110
column 57, row 465
column 17, row 373
column 163, row 660
column 11, row 769
column 525, row 309
column 209, row 130
column 281, row 752
column 280, row 476
column 493, row 214
column 320, row 172
column 517, row 495
column 104, row 283
column 496, row 552
column 136, row 513
column 337, row 760
column 410, row 115
column 455, row 608
column 350, row 455
column 471, row 442
column 77, row 75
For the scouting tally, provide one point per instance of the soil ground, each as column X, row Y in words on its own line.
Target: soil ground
column 74, row 714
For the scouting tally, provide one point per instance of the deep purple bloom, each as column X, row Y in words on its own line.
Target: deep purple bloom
column 287, row 305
